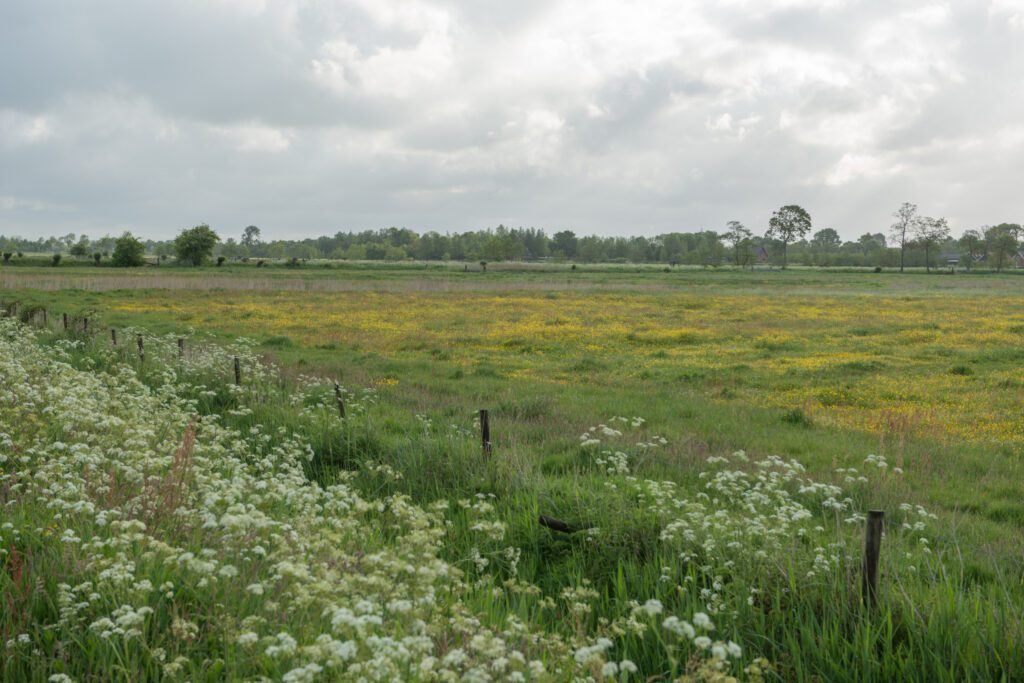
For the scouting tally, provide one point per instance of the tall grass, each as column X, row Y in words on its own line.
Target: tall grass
column 93, row 434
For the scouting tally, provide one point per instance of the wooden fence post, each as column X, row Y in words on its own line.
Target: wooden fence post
column 46, row 322
column 85, row 325
column 485, row 432
column 142, row 351
column 872, row 551
column 238, row 372
column 181, row 348
column 65, row 322
column 341, row 401
column 113, row 337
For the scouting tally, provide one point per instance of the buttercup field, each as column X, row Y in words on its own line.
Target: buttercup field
column 710, row 439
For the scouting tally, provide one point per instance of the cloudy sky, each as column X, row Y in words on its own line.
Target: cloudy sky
column 307, row 117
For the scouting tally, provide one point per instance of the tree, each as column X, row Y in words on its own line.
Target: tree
column 826, row 240
column 195, row 245
column 901, row 231
column 80, row 248
column 1001, row 241
column 929, row 233
column 251, row 236
column 788, row 224
column 565, row 242
column 870, row 243
column 973, row 244
column 737, row 236
column 128, row 252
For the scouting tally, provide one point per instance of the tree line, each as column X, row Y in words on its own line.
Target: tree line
column 913, row 240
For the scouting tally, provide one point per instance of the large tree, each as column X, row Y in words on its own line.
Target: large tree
column 929, row 233
column 251, row 236
column 128, row 251
column 973, row 244
column 195, row 245
column 788, row 224
column 903, row 229
column 1002, row 242
column 737, row 236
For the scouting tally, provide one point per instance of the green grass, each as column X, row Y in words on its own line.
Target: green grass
column 958, row 618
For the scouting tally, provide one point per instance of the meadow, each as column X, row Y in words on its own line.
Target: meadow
column 716, row 437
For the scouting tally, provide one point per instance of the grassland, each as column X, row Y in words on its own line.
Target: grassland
column 826, row 368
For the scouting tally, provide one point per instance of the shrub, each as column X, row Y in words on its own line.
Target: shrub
column 878, row 269
column 195, row 245
column 96, row 257
column 128, row 252
column 220, row 261
column 7, row 256
column 56, row 260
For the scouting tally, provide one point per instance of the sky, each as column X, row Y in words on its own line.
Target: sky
column 614, row 118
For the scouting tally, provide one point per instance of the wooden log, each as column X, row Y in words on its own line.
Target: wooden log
column 340, row 399
column 485, row 432
column 872, row 552
column 238, row 372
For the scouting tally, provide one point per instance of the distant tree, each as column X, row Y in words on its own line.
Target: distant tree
column 96, row 257
column 826, row 240
column 788, row 224
column 195, row 245
column 128, row 252
column 251, row 236
column 80, row 249
column 903, row 229
column 871, row 242
column 1002, row 242
column 7, row 256
column 972, row 242
column 737, row 236
column 929, row 233
column 565, row 242
column 56, row 260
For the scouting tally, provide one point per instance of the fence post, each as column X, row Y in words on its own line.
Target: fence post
column 113, row 336
column 238, row 372
column 485, row 432
column 46, row 322
column 85, row 325
column 181, row 348
column 872, row 551
column 142, row 351
column 341, row 401
column 65, row 322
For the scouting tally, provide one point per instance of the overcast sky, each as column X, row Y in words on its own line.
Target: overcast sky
column 309, row 117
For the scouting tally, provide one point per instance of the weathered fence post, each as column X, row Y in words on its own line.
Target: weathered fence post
column 142, row 351
column 85, row 325
column 341, row 401
column 65, row 322
column 113, row 337
column 181, row 348
column 485, row 432
column 238, row 372
column 46, row 322
column 872, row 550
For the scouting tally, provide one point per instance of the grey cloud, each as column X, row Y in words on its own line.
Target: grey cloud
column 152, row 116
